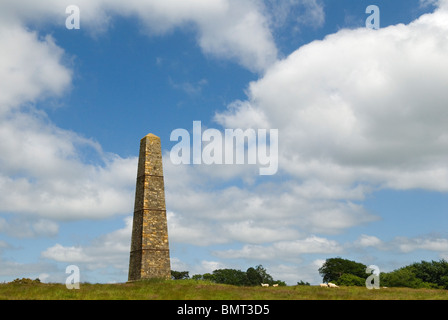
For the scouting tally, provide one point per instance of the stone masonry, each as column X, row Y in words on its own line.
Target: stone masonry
column 150, row 256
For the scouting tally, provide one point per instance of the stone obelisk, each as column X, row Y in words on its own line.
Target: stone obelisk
column 150, row 255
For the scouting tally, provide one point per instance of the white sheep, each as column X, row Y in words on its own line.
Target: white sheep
column 324, row 285
column 275, row 285
column 332, row 285
column 265, row 284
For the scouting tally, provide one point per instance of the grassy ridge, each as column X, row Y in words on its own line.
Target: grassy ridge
column 202, row 290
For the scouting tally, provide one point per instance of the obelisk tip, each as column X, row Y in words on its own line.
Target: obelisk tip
column 150, row 135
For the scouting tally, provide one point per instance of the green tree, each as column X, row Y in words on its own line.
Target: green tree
column 264, row 275
column 348, row 279
column 403, row 277
column 435, row 272
column 334, row 268
column 253, row 278
column 197, row 277
column 208, row 277
column 179, row 275
column 230, row 276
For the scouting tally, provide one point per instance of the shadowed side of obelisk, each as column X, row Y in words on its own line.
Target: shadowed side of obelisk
column 150, row 256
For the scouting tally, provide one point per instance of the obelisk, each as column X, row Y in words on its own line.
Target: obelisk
column 150, row 255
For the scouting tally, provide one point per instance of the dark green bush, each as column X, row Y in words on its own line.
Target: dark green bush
column 348, row 279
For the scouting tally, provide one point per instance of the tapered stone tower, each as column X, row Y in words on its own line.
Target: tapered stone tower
column 150, row 255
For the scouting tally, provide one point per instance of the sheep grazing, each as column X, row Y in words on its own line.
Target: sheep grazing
column 332, row 285
column 324, row 285
column 275, row 285
column 265, row 284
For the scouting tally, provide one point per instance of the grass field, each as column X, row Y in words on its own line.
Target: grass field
column 200, row 290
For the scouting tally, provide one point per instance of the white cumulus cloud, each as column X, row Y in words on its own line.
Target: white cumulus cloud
column 228, row 29
column 360, row 107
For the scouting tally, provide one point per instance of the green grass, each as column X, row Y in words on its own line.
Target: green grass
column 202, row 290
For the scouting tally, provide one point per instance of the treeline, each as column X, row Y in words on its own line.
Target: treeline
column 422, row 274
column 253, row 276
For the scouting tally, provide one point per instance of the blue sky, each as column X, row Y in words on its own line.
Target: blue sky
column 361, row 114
